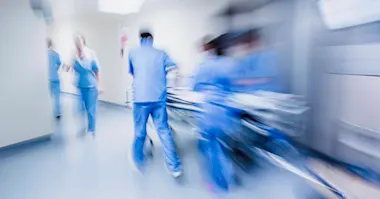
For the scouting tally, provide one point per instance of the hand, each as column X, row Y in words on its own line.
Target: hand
column 100, row 90
column 66, row 68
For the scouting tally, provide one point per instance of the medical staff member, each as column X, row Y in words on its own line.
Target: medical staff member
column 256, row 69
column 86, row 67
column 54, row 65
column 213, row 80
column 149, row 67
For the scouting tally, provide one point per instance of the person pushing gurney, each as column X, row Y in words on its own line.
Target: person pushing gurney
column 213, row 81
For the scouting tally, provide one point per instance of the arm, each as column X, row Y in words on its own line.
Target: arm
column 252, row 81
column 169, row 64
column 58, row 61
column 263, row 73
column 171, row 68
column 130, row 65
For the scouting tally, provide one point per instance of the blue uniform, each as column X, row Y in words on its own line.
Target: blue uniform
column 214, row 81
column 54, row 64
column 259, row 65
column 149, row 68
column 85, row 68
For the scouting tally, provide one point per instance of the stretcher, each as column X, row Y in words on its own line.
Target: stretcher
column 267, row 124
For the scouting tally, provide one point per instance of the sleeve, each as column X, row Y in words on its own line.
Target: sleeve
column 95, row 66
column 95, row 62
column 130, row 65
column 168, row 62
column 58, row 60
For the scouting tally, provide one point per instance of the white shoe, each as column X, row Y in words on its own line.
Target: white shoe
column 177, row 174
column 91, row 134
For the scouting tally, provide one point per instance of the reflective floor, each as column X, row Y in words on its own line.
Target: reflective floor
column 74, row 167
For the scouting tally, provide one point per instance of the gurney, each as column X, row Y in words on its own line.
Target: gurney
column 268, row 123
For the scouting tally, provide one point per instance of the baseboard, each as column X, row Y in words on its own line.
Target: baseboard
column 106, row 103
column 24, row 144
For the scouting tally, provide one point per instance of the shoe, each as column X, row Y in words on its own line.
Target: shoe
column 58, row 117
column 175, row 174
column 91, row 133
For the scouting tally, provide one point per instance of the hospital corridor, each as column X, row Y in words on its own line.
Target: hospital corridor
column 145, row 99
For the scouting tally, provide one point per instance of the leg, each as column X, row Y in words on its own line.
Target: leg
column 140, row 116
column 55, row 92
column 160, row 119
column 90, row 101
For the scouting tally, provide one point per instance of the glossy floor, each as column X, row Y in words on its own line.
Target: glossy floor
column 72, row 167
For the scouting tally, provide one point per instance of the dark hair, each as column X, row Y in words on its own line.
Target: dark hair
column 49, row 42
column 219, row 44
column 145, row 35
column 252, row 35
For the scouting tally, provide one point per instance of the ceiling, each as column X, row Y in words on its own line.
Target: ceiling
column 73, row 8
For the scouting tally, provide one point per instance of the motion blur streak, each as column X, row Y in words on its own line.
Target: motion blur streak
column 189, row 99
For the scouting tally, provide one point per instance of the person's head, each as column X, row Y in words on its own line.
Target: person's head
column 251, row 39
column 80, row 42
column 218, row 45
column 206, row 46
column 245, row 43
column 49, row 43
column 146, row 35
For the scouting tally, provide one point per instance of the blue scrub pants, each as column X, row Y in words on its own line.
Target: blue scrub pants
column 141, row 113
column 214, row 123
column 89, row 99
column 55, row 91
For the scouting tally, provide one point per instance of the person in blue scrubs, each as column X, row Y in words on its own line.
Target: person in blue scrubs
column 256, row 69
column 54, row 65
column 86, row 67
column 213, row 80
column 149, row 67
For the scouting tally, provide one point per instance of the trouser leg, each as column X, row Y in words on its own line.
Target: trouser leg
column 140, row 116
column 160, row 119
column 90, row 97
column 55, row 92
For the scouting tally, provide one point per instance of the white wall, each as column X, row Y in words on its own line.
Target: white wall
column 177, row 30
column 25, row 104
column 102, row 35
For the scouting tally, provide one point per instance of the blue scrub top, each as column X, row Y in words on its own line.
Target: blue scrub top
column 54, row 64
column 149, row 68
column 255, row 66
column 85, row 69
column 214, row 78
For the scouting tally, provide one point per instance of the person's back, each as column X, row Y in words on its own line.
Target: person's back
column 149, row 68
column 213, row 78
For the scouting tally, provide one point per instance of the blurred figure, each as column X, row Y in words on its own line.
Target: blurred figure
column 86, row 67
column 149, row 67
column 54, row 81
column 207, row 48
column 256, row 69
column 207, row 53
column 213, row 80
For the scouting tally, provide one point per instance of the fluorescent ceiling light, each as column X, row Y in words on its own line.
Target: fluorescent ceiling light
column 121, row 7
